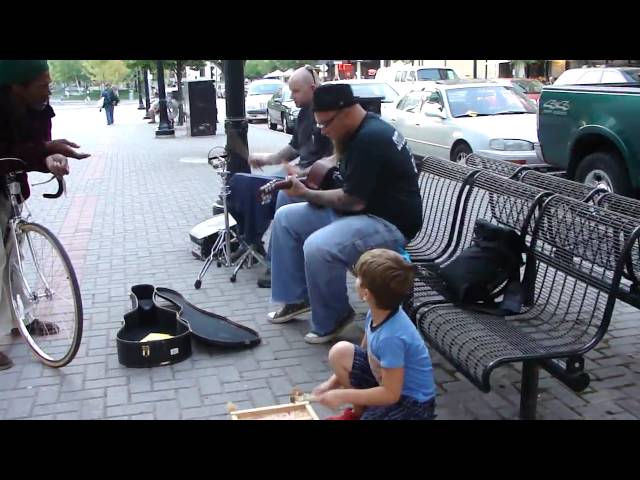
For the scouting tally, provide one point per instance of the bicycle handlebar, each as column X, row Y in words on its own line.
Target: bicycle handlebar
column 60, row 191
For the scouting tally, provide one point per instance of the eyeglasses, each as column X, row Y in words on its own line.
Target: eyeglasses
column 326, row 124
column 309, row 69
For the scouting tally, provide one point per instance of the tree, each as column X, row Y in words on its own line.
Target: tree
column 69, row 71
column 103, row 71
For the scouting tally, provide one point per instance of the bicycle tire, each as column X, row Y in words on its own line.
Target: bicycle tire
column 17, row 292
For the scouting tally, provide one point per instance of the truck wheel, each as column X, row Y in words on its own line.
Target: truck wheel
column 459, row 153
column 604, row 169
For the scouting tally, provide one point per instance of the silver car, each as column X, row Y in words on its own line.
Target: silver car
column 452, row 119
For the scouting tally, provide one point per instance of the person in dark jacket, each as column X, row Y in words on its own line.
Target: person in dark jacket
column 110, row 101
column 25, row 133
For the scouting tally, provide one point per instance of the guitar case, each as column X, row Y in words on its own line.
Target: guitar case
column 208, row 327
column 172, row 328
column 147, row 318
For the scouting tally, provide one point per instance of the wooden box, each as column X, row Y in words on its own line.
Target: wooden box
column 288, row 411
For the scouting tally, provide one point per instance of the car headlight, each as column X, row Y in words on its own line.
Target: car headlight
column 510, row 145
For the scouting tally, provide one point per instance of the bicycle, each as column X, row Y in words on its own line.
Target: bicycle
column 40, row 280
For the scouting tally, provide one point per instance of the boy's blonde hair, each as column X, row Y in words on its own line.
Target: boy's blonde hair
column 386, row 275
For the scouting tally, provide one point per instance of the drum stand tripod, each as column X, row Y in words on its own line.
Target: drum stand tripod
column 221, row 249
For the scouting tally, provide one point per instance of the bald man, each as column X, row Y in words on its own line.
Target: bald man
column 308, row 144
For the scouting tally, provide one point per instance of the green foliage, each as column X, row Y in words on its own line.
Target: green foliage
column 69, row 71
column 103, row 71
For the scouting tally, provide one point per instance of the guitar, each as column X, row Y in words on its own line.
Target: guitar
column 323, row 175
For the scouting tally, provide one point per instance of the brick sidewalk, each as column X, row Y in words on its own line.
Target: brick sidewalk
column 126, row 221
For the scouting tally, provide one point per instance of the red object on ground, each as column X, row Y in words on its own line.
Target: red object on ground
column 346, row 415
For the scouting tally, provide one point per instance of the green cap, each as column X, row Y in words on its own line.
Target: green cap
column 20, row 71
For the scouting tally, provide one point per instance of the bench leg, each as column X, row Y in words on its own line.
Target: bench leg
column 529, row 390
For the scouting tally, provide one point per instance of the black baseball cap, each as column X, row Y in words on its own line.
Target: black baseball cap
column 334, row 96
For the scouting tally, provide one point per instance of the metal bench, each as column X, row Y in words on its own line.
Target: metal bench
column 442, row 185
column 498, row 167
column 562, row 186
column 570, row 302
column 490, row 197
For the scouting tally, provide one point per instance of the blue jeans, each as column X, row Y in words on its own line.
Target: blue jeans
column 312, row 248
column 109, row 112
column 283, row 199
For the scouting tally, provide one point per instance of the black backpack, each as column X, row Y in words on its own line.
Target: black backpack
column 493, row 259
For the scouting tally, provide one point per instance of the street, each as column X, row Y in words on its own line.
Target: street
column 126, row 221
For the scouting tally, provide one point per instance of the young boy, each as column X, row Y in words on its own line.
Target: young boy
column 389, row 376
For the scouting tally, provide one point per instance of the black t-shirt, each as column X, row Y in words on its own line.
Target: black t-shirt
column 377, row 168
column 308, row 141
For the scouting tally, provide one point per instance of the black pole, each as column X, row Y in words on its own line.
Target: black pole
column 486, row 69
column 146, row 94
column 139, row 83
column 475, row 69
column 164, row 129
column 236, row 125
column 180, row 97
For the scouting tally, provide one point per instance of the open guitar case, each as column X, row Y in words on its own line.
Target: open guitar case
column 176, row 324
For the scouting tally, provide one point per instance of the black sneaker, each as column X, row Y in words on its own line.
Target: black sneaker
column 235, row 256
column 264, row 281
column 288, row 312
column 39, row 328
column 5, row 362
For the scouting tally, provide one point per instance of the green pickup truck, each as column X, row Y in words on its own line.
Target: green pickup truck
column 593, row 132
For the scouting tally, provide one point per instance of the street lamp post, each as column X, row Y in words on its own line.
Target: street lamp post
column 146, row 94
column 139, row 82
column 164, row 129
column 236, row 125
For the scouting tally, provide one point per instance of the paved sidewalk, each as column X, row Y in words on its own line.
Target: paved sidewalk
column 126, row 221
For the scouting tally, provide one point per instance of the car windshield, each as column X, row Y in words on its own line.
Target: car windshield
column 263, row 88
column 529, row 86
column 375, row 90
column 488, row 100
column 634, row 73
column 434, row 74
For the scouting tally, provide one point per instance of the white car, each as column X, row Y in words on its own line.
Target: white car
column 258, row 94
column 373, row 88
column 452, row 119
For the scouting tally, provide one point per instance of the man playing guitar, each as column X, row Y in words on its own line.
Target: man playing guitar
column 307, row 144
column 378, row 206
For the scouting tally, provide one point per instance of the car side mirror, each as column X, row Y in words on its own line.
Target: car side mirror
column 435, row 112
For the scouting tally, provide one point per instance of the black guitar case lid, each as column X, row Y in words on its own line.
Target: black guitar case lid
column 147, row 318
column 209, row 327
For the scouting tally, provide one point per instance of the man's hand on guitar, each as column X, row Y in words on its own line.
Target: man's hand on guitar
column 297, row 187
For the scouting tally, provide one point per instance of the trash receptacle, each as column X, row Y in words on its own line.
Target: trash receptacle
column 200, row 107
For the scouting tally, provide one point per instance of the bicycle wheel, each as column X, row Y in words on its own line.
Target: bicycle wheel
column 42, row 285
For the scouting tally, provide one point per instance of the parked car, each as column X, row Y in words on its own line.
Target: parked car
column 258, row 94
column 528, row 86
column 585, row 76
column 282, row 110
column 452, row 119
column 592, row 133
column 409, row 77
column 373, row 88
